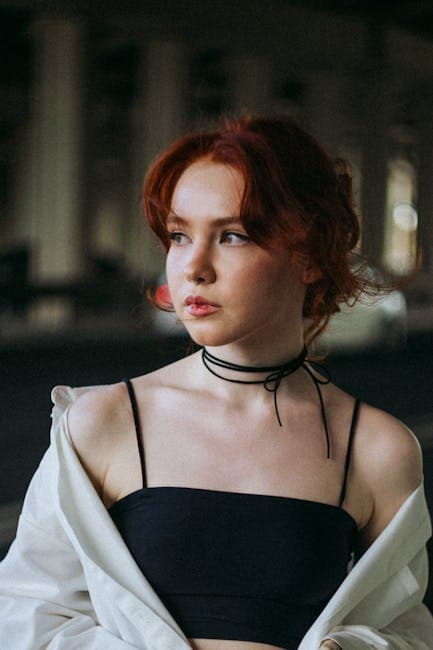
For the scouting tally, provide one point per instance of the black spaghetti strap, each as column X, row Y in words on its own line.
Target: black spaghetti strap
column 134, row 406
column 349, row 449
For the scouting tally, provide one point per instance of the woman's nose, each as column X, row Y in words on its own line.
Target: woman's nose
column 199, row 268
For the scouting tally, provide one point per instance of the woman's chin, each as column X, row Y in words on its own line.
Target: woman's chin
column 208, row 336
column 210, row 341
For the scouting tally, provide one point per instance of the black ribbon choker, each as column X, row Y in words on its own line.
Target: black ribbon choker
column 272, row 380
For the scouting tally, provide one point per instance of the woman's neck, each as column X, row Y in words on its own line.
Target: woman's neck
column 237, row 385
column 266, row 355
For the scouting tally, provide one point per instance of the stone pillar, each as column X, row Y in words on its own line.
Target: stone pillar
column 374, row 173
column 49, row 199
column 424, row 190
column 159, row 118
column 374, row 133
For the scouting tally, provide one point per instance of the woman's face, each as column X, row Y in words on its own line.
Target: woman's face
column 225, row 288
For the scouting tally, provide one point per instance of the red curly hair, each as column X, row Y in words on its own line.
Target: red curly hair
column 295, row 196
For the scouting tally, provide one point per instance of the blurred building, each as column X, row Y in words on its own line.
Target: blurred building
column 91, row 91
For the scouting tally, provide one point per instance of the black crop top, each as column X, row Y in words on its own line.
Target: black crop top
column 238, row 566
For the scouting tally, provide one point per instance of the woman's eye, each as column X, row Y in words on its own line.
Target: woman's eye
column 177, row 237
column 234, row 238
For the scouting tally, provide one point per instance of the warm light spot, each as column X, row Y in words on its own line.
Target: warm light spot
column 405, row 217
column 401, row 222
column 162, row 296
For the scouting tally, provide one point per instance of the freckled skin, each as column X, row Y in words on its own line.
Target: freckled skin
column 260, row 292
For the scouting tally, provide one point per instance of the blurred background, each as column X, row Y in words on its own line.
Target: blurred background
column 91, row 91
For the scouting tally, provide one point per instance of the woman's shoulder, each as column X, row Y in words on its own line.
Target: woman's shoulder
column 99, row 424
column 100, row 418
column 97, row 409
column 388, row 444
column 388, row 459
column 381, row 441
column 92, row 408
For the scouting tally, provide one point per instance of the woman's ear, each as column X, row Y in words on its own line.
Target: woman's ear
column 310, row 272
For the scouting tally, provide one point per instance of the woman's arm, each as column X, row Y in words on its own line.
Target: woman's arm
column 391, row 464
column 44, row 596
column 389, row 461
column 44, row 600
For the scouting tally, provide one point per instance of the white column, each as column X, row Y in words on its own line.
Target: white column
column 376, row 99
column 374, row 168
column 159, row 118
column 424, row 189
column 49, row 199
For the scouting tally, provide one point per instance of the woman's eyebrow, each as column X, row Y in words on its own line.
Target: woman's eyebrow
column 173, row 218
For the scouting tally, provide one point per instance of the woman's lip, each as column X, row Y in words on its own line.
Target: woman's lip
column 201, row 309
column 199, row 300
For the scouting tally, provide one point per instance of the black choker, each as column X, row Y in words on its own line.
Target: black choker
column 273, row 379
column 274, row 373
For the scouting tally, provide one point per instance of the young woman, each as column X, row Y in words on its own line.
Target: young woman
column 219, row 502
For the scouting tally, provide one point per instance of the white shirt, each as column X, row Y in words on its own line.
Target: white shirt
column 69, row 581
